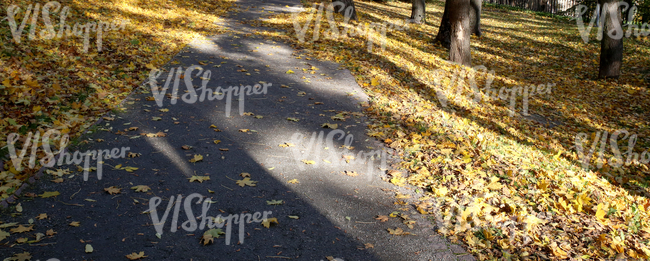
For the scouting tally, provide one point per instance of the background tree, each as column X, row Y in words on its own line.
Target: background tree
column 418, row 11
column 459, row 51
column 444, row 31
column 611, row 46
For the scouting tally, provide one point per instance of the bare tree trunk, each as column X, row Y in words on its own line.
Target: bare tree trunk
column 475, row 17
column 348, row 9
column 611, row 47
column 444, row 31
column 418, row 11
column 459, row 51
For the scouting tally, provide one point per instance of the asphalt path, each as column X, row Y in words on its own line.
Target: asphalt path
column 324, row 198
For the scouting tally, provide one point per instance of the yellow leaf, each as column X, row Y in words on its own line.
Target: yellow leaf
column 134, row 256
column 197, row 157
column 293, row 181
column 290, row 72
column 267, row 222
column 374, row 82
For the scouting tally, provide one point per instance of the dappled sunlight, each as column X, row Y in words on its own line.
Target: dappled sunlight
column 528, row 163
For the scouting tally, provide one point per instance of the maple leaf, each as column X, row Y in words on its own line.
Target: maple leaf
column 382, row 218
column 293, row 181
column 267, row 222
column 74, row 223
column 141, row 188
column 113, row 190
column 246, row 181
column 50, row 232
column 42, row 216
column 136, row 256
column 197, row 157
column 21, row 229
column 21, row 240
column 49, row 194
column 200, row 179
column 3, row 235
column 208, row 236
column 275, row 202
column 134, row 155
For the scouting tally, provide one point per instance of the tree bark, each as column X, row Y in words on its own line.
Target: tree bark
column 475, row 17
column 459, row 51
column 444, row 31
column 611, row 46
column 418, row 11
column 348, row 9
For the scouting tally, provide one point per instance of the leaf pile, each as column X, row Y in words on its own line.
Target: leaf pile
column 54, row 84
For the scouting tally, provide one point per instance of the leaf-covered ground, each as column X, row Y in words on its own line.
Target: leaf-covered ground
column 507, row 186
column 55, row 84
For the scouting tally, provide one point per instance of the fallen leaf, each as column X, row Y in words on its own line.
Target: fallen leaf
column 134, row 256
column 89, row 248
column 41, row 216
column 275, row 202
column 200, row 179
column 293, row 181
column 113, row 190
column 267, row 222
column 141, row 188
column 49, row 194
column 246, row 181
column 197, row 157
column 74, row 223
column 382, row 218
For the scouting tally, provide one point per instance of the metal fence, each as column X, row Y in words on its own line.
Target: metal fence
column 566, row 7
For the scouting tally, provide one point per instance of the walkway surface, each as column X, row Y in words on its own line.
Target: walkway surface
column 324, row 210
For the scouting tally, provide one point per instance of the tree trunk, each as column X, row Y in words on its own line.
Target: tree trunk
column 444, row 31
column 348, row 9
column 611, row 46
column 459, row 51
column 475, row 17
column 418, row 10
